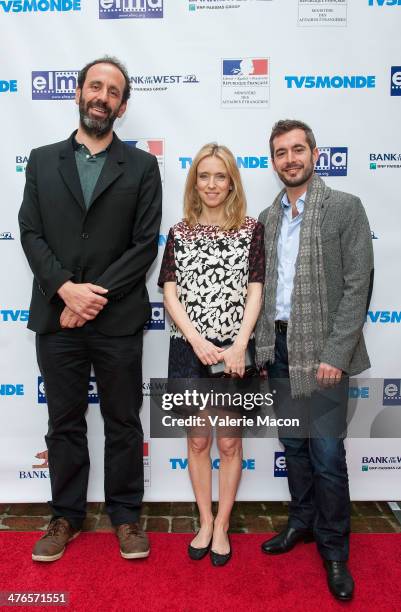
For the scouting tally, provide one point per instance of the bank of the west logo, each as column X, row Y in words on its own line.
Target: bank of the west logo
column 39, row 6
column 126, row 9
column 391, row 392
column 330, row 82
column 157, row 318
column 6, row 236
column 93, row 397
column 54, row 84
column 217, row 5
column 20, row 163
column 245, row 82
column 153, row 146
column 161, row 82
column 384, row 160
column 395, row 89
column 332, row 161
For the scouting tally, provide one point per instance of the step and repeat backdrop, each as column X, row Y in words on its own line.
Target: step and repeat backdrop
column 201, row 71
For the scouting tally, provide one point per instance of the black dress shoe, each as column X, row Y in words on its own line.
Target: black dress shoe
column 219, row 560
column 286, row 540
column 339, row 579
column 196, row 554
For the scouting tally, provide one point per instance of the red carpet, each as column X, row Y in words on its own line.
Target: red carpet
column 97, row 578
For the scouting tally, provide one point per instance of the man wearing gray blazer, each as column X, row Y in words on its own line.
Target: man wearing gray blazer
column 319, row 272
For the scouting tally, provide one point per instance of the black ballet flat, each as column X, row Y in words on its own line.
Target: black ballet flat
column 196, row 554
column 219, row 560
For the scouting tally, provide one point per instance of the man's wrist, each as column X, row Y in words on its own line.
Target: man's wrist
column 64, row 287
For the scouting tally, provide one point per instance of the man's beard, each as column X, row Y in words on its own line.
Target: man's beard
column 96, row 127
column 300, row 180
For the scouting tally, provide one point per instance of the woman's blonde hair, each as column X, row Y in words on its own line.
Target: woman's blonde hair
column 235, row 203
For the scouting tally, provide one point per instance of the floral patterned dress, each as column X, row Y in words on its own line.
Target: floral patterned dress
column 212, row 268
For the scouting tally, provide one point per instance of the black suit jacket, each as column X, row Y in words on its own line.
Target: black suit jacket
column 111, row 244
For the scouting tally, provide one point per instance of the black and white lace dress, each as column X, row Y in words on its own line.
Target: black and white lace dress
column 212, row 269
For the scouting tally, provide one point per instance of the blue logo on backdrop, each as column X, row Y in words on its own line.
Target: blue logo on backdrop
column 162, row 240
column 395, row 81
column 181, row 463
column 332, row 161
column 280, row 467
column 8, row 86
column 93, row 397
column 11, row 389
column 392, row 392
column 6, row 236
column 10, row 316
column 249, row 162
column 54, row 84
column 20, row 163
column 331, row 82
column 358, row 393
column 384, row 316
column 385, row 2
column 157, row 320
column 42, row 6
column 123, row 9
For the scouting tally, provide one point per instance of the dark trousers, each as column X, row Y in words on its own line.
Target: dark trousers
column 65, row 360
column 316, row 463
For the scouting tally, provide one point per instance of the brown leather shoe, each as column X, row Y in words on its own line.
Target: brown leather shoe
column 51, row 545
column 134, row 543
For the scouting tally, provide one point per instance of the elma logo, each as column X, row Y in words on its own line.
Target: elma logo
column 249, row 161
column 54, row 84
column 8, row 86
column 395, row 81
column 6, row 236
column 11, row 316
column 392, row 392
column 123, row 9
column 42, row 6
column 358, row 393
column 384, row 316
column 332, row 161
column 280, row 467
column 93, row 397
column 331, row 82
column 11, row 389
column 157, row 319
column 384, row 2
column 181, row 463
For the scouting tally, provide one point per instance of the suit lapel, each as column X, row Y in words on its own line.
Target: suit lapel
column 69, row 172
column 112, row 169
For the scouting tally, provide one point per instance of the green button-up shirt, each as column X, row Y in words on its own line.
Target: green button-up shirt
column 89, row 168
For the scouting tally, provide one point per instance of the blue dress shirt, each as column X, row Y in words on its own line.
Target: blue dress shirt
column 287, row 253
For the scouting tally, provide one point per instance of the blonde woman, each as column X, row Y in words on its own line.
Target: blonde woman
column 212, row 274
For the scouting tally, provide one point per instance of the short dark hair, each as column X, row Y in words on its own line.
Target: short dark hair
column 287, row 125
column 107, row 60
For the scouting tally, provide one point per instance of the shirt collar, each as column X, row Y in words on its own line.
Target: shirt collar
column 77, row 145
column 285, row 203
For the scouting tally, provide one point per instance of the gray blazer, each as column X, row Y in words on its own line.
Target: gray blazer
column 348, row 265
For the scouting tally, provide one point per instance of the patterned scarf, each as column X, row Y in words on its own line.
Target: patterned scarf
column 307, row 326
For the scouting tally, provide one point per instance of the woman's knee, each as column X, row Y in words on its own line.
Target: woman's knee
column 199, row 445
column 229, row 447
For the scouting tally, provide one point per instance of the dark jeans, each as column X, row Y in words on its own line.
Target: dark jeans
column 316, row 464
column 65, row 359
